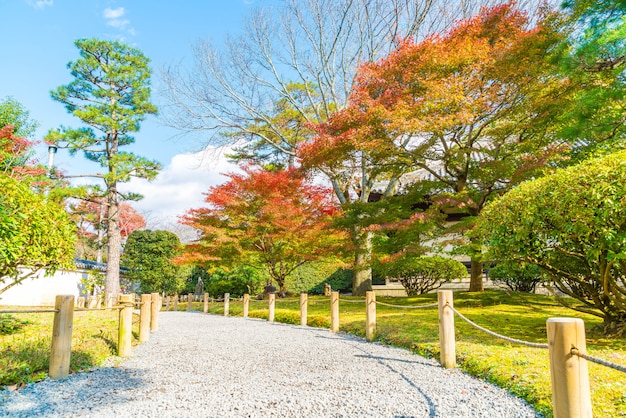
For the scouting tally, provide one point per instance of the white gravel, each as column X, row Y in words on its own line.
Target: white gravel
column 200, row 365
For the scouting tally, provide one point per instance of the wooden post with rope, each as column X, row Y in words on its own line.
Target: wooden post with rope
column 246, row 305
column 446, row 329
column 334, row 311
column 61, row 349
column 272, row 307
column 145, row 312
column 571, row 396
column 304, row 300
column 370, row 316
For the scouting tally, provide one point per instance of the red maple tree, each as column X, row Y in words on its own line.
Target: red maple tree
column 453, row 110
column 274, row 219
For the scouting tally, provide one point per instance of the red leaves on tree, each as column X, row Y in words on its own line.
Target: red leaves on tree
column 276, row 219
column 15, row 154
column 454, row 105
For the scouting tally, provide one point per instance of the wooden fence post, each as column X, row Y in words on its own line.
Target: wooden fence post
column 272, row 307
column 226, row 304
column 91, row 302
column 304, row 300
column 98, row 301
column 334, row 311
column 109, row 300
column 125, row 329
column 570, row 379
column 175, row 303
column 145, row 312
column 189, row 302
column 370, row 316
column 206, row 303
column 446, row 329
column 81, row 302
column 246, row 305
column 155, row 308
column 167, row 303
column 61, row 349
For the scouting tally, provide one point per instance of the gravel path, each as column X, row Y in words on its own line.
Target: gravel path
column 200, row 365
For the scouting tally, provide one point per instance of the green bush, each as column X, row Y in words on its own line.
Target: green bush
column 420, row 275
column 236, row 282
column 310, row 278
column 571, row 224
column 519, row 277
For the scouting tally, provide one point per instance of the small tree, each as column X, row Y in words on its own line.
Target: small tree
column 110, row 93
column 420, row 275
column 148, row 255
column 272, row 219
column 35, row 234
column 571, row 224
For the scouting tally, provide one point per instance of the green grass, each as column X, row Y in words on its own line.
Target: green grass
column 521, row 370
column 25, row 349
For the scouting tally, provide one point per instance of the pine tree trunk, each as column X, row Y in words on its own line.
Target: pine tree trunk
column 112, row 284
column 362, row 271
column 476, row 277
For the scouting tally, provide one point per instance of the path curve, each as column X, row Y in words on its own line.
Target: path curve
column 200, row 365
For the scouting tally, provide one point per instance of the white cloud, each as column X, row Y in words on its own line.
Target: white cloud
column 41, row 4
column 113, row 13
column 115, row 18
column 179, row 186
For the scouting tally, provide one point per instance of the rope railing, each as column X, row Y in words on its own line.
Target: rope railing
column 430, row 305
column 353, row 301
column 111, row 308
column 575, row 352
column 12, row 311
column 495, row 334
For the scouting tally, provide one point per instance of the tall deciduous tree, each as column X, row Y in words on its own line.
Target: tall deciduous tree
column 451, row 111
column 110, row 94
column 35, row 234
column 234, row 91
column 273, row 219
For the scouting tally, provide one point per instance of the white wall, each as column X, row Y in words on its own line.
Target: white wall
column 41, row 290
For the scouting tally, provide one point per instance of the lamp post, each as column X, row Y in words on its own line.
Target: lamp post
column 52, row 150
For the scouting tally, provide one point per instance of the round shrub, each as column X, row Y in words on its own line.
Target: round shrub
column 419, row 275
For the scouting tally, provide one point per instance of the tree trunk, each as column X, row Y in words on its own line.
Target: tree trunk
column 362, row 271
column 112, row 284
column 476, row 277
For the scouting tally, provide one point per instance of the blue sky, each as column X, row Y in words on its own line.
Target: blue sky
column 38, row 43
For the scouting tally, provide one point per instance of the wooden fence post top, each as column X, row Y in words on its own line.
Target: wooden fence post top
column 557, row 320
column 126, row 298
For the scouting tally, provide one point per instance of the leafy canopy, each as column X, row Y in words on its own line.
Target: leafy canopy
column 35, row 233
column 148, row 255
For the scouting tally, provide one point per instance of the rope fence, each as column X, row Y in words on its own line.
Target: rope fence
column 566, row 341
column 35, row 311
column 430, row 305
column 60, row 350
column 494, row 334
column 575, row 352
